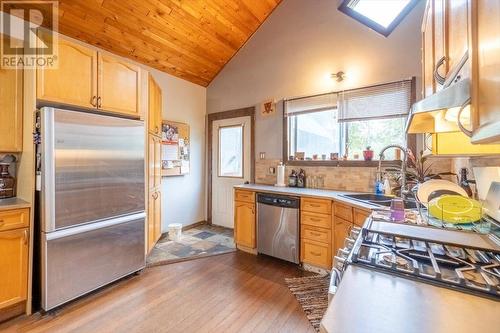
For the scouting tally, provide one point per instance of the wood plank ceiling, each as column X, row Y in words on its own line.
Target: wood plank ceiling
column 190, row 39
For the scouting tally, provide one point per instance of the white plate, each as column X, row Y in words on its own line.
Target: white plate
column 425, row 189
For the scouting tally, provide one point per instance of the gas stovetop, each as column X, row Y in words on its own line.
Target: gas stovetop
column 471, row 269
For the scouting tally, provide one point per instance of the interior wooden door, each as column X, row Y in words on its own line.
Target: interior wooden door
column 74, row 81
column 13, row 266
column 118, row 85
column 11, row 110
column 244, row 216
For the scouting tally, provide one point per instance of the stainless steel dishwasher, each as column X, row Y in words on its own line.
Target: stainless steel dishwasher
column 278, row 226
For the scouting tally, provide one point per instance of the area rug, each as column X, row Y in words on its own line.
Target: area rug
column 198, row 242
column 312, row 294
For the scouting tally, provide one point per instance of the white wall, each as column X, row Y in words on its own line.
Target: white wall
column 183, row 198
column 298, row 47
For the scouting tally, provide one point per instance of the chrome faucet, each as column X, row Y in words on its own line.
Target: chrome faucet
column 403, row 166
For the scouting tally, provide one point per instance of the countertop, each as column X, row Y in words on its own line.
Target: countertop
column 308, row 192
column 372, row 301
column 13, row 203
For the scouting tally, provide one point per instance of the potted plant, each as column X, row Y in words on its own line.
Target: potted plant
column 368, row 154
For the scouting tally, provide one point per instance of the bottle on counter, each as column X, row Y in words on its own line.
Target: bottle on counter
column 292, row 179
column 387, row 186
column 464, row 182
column 301, row 178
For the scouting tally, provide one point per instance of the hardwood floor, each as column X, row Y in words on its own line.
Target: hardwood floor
column 234, row 292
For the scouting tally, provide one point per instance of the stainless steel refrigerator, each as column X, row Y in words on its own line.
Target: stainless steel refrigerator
column 92, row 220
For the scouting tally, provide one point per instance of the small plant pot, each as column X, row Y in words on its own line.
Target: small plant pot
column 368, row 155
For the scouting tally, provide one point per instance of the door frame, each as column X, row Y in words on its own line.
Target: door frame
column 244, row 112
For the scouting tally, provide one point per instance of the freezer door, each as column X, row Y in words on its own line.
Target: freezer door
column 92, row 167
column 78, row 260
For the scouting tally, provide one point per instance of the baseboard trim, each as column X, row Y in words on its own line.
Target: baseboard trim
column 193, row 225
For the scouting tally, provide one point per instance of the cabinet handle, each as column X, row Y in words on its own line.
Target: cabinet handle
column 156, row 129
column 93, row 101
column 317, row 234
column 315, row 219
column 316, row 254
column 462, row 128
column 314, row 205
column 439, row 79
column 25, row 236
column 2, row 221
column 155, row 195
column 99, row 101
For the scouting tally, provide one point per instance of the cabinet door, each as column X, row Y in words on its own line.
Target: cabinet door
column 151, row 222
column 428, row 50
column 440, row 50
column 244, row 216
column 13, row 266
column 11, row 109
column 457, row 32
column 155, row 107
column 151, row 161
column 486, row 82
column 341, row 230
column 74, row 81
column 157, row 216
column 157, row 162
column 118, row 85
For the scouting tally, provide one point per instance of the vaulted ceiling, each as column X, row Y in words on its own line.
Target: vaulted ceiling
column 190, row 39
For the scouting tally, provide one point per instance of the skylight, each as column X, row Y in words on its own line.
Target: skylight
column 380, row 15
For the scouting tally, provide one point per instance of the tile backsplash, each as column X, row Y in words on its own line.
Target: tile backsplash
column 356, row 179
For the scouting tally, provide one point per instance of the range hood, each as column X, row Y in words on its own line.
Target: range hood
column 438, row 112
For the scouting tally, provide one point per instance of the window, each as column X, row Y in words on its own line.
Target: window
column 345, row 123
column 231, row 151
column 382, row 16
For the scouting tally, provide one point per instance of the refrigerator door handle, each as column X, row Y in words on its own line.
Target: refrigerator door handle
column 93, row 226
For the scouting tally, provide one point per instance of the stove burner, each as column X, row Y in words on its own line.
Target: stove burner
column 391, row 259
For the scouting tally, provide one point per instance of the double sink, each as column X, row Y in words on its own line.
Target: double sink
column 377, row 199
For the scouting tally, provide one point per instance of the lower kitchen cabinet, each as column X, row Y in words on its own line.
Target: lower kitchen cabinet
column 244, row 224
column 341, row 229
column 13, row 266
column 315, row 253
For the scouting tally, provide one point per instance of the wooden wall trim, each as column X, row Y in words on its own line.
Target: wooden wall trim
column 249, row 111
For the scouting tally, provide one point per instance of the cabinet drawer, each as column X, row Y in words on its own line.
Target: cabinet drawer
column 14, row 219
column 315, row 253
column 316, row 234
column 360, row 217
column 245, row 196
column 342, row 211
column 316, row 205
column 316, row 220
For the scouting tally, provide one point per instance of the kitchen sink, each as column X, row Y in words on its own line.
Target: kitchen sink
column 378, row 199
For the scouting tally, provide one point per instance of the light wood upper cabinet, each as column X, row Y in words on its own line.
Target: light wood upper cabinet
column 244, row 222
column 118, row 85
column 457, row 34
column 11, row 109
column 428, row 51
column 74, row 81
column 155, row 107
column 13, row 266
column 486, row 71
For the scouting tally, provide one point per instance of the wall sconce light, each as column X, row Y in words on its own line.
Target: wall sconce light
column 339, row 76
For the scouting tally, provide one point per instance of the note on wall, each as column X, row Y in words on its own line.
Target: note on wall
column 175, row 148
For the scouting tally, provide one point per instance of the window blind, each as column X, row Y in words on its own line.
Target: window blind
column 380, row 101
column 309, row 104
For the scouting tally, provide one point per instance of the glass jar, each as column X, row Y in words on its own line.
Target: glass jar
column 7, row 182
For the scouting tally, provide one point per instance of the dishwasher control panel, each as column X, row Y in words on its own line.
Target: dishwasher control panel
column 278, row 200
